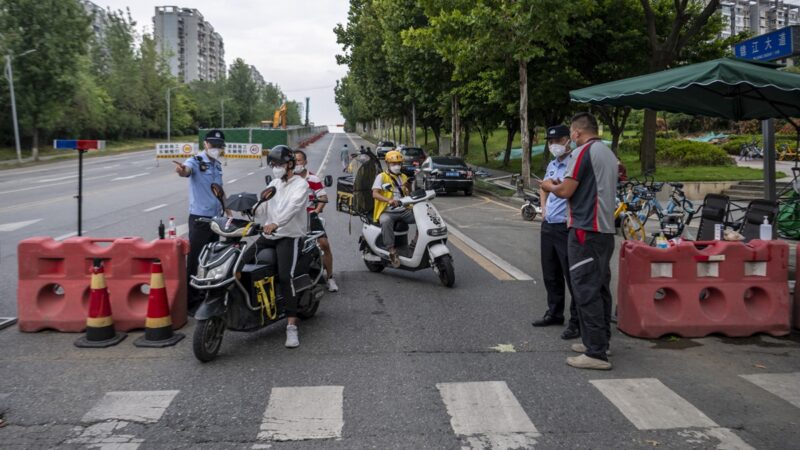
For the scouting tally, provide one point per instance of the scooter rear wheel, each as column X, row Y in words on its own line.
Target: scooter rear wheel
column 374, row 266
column 207, row 338
column 528, row 212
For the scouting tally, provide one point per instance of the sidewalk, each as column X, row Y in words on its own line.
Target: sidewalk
column 780, row 166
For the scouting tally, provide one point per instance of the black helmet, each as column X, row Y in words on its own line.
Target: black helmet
column 280, row 154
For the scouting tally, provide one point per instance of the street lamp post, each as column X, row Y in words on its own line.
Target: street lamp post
column 169, row 124
column 222, row 107
column 10, row 77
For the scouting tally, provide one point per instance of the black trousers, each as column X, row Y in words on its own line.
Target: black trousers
column 200, row 234
column 287, row 251
column 590, row 271
column 555, row 271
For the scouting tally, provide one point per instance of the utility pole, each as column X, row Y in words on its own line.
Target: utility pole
column 10, row 77
column 169, row 124
column 222, row 107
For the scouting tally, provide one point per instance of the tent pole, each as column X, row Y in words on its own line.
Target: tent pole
column 768, row 138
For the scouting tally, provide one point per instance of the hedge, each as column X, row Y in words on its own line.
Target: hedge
column 682, row 153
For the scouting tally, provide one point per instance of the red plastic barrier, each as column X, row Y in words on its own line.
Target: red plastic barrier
column 730, row 288
column 53, row 289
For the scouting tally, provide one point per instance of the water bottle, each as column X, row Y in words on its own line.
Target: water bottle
column 173, row 232
column 161, row 229
column 765, row 230
column 661, row 241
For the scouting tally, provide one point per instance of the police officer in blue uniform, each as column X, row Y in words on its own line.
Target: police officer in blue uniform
column 554, row 237
column 202, row 170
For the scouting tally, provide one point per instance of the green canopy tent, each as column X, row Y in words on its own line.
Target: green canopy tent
column 730, row 88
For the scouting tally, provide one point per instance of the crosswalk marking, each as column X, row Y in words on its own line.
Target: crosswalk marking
column 650, row 405
column 784, row 385
column 487, row 415
column 301, row 413
column 115, row 411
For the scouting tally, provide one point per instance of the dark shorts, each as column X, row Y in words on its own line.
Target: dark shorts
column 315, row 224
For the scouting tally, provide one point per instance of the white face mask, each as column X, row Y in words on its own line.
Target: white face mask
column 278, row 172
column 395, row 168
column 299, row 169
column 213, row 153
column 557, row 150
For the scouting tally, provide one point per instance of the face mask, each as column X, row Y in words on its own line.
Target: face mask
column 299, row 169
column 395, row 168
column 278, row 172
column 557, row 150
column 213, row 153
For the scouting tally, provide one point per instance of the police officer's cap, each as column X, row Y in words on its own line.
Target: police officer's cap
column 557, row 131
column 215, row 136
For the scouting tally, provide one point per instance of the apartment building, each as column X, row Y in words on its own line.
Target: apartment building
column 192, row 48
column 758, row 16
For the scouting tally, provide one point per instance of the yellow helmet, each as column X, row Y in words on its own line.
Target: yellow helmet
column 394, row 157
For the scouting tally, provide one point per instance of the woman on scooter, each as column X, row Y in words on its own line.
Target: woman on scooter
column 388, row 188
column 285, row 225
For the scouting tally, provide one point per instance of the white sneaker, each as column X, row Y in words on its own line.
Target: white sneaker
column 292, row 338
column 580, row 348
column 585, row 362
column 332, row 287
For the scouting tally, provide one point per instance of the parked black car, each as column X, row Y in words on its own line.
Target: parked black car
column 446, row 174
column 413, row 157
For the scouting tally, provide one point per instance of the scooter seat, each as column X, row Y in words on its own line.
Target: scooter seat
column 268, row 258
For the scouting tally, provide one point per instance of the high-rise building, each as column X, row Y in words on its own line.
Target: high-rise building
column 99, row 18
column 256, row 76
column 758, row 16
column 191, row 46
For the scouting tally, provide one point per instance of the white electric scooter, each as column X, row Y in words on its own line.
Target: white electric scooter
column 430, row 249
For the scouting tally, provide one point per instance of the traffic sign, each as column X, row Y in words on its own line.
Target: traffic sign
column 778, row 44
column 78, row 144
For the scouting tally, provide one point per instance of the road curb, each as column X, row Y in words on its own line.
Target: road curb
column 516, row 201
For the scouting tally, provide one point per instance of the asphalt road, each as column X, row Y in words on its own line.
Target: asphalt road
column 394, row 360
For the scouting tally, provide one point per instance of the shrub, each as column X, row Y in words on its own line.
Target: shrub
column 681, row 153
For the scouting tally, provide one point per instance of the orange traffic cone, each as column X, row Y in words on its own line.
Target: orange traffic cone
column 99, row 325
column 158, row 324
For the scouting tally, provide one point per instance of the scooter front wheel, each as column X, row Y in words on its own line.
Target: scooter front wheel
column 374, row 266
column 207, row 338
column 447, row 274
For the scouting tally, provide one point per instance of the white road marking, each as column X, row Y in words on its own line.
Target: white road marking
column 650, row 405
column 17, row 225
column 784, row 385
column 182, row 230
column 110, row 167
column 55, row 184
column 115, row 411
column 65, row 236
column 154, row 207
column 301, row 413
column 496, row 260
column 49, row 180
column 130, row 177
column 487, row 415
column 250, row 173
column 325, row 159
column 232, row 181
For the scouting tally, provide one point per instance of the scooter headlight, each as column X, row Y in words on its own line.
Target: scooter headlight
column 219, row 272
column 437, row 232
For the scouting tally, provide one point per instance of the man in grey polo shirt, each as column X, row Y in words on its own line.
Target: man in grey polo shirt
column 590, row 186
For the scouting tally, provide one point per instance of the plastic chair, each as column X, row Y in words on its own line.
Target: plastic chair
column 754, row 217
column 715, row 209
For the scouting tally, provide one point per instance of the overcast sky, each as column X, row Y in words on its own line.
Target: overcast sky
column 291, row 42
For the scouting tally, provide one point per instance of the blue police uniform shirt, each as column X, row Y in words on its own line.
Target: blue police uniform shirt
column 556, row 210
column 201, row 200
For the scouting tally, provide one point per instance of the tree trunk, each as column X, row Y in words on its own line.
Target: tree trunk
column 437, row 130
column 466, row 140
column 456, row 127
column 511, row 131
column 523, row 123
column 484, row 138
column 647, row 151
column 425, row 130
column 35, row 144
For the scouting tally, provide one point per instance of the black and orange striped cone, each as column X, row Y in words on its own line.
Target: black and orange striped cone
column 100, row 331
column 158, row 324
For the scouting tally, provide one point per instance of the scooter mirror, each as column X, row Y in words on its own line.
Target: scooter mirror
column 268, row 179
column 268, row 193
column 219, row 193
column 328, row 180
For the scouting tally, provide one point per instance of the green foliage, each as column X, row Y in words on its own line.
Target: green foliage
column 680, row 152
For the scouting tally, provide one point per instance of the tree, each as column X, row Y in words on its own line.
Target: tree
column 58, row 30
column 243, row 92
column 686, row 24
